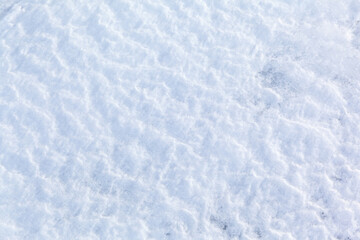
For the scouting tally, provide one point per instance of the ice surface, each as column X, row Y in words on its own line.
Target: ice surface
column 139, row 119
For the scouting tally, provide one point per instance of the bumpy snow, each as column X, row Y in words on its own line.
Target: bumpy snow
column 179, row 119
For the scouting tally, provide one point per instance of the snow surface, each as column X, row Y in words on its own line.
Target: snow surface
column 191, row 119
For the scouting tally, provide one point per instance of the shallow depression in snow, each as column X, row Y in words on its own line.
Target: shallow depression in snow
column 179, row 119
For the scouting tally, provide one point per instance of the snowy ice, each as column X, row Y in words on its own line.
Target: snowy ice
column 179, row 119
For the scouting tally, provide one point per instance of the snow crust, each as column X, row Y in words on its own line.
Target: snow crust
column 192, row 119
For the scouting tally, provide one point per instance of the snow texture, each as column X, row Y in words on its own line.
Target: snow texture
column 179, row 119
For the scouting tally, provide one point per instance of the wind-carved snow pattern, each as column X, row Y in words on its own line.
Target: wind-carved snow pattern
column 179, row 119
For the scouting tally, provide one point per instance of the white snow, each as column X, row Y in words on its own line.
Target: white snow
column 191, row 119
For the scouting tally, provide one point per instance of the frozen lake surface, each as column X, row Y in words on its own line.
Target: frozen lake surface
column 179, row 119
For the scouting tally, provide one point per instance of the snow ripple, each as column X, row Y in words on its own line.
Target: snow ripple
column 179, row 119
